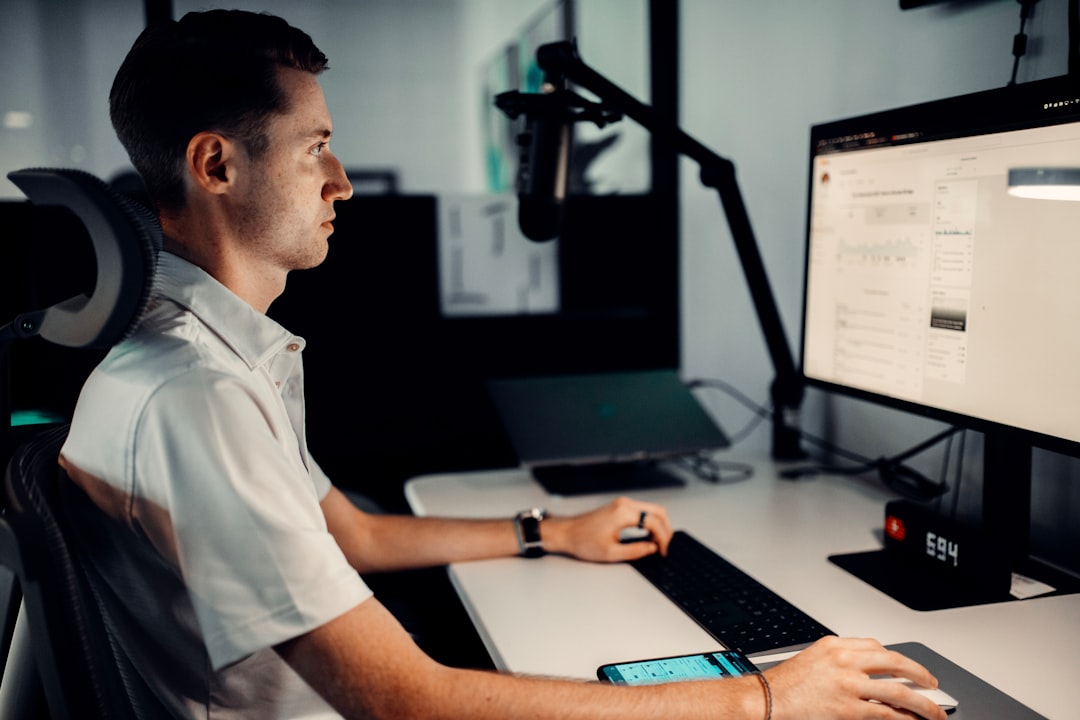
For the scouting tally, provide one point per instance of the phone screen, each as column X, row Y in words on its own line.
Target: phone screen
column 722, row 664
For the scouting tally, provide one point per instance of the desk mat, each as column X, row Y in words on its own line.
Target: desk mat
column 976, row 699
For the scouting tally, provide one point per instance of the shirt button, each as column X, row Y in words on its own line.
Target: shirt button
column 292, row 347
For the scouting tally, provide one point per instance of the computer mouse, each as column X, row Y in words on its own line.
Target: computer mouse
column 943, row 699
column 634, row 534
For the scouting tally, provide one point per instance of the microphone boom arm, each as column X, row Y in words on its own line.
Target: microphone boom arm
column 561, row 59
column 559, row 101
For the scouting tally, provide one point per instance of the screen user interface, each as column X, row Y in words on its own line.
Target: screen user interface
column 690, row 667
column 929, row 284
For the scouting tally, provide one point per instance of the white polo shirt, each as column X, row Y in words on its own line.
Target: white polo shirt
column 190, row 439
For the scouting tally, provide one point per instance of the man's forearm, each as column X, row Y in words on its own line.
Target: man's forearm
column 375, row 543
column 492, row 695
column 399, row 542
column 365, row 666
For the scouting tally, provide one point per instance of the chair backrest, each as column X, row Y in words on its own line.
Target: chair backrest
column 126, row 238
column 81, row 671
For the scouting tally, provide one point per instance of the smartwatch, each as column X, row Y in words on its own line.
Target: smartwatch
column 527, row 526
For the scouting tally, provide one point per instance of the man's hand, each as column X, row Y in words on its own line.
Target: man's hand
column 832, row 679
column 595, row 535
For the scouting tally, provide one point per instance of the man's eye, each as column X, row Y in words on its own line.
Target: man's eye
column 317, row 150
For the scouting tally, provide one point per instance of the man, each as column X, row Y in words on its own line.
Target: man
column 232, row 561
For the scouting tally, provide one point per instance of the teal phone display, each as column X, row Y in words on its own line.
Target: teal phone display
column 700, row 666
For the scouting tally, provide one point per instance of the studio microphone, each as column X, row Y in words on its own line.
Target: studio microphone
column 542, row 172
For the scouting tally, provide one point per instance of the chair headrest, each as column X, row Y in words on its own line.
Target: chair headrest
column 126, row 238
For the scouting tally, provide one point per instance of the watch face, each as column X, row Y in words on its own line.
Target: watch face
column 529, row 529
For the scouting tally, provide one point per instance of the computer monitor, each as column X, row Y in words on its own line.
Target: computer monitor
column 930, row 289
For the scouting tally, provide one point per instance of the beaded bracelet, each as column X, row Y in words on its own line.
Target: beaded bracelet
column 768, row 695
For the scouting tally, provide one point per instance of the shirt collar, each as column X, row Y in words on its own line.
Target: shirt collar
column 253, row 336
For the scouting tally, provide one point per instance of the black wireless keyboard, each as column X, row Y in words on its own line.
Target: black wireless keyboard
column 730, row 605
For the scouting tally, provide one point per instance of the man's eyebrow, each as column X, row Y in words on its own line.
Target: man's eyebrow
column 320, row 134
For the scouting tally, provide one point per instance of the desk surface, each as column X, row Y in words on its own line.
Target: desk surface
column 556, row 616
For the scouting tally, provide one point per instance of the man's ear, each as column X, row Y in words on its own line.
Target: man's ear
column 210, row 162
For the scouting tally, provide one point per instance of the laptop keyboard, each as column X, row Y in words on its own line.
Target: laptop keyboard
column 737, row 610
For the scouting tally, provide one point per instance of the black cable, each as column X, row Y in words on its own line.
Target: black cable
column 1020, row 39
column 716, row 471
column 747, row 429
column 732, row 391
column 943, row 435
column 1074, row 38
column 893, row 472
column 833, row 449
column 761, row 413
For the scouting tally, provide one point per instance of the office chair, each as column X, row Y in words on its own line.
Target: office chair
column 78, row 663
column 60, row 630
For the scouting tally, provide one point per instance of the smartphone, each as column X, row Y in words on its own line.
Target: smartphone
column 699, row 666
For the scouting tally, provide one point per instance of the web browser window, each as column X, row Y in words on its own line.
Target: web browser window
column 928, row 283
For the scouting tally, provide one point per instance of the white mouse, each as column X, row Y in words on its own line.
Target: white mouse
column 943, row 699
column 634, row 534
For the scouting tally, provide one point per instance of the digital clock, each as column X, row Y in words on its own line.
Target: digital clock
column 941, row 548
column 945, row 547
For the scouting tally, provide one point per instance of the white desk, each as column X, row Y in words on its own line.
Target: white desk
column 555, row 616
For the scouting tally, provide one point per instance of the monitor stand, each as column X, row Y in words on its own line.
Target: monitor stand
column 919, row 589
column 605, row 477
column 1006, row 519
column 911, row 584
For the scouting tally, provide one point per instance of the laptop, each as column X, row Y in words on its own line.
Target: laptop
column 603, row 431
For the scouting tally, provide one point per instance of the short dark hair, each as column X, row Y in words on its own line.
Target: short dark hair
column 209, row 71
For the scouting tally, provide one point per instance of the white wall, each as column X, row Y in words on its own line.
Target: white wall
column 403, row 83
column 57, row 61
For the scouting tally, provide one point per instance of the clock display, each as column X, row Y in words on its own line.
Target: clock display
column 918, row 533
column 942, row 549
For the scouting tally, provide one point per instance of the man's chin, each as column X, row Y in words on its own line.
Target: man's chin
column 313, row 259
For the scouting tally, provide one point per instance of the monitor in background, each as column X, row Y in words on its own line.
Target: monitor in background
column 930, row 289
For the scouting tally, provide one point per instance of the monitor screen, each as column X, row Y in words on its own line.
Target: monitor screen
column 928, row 286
